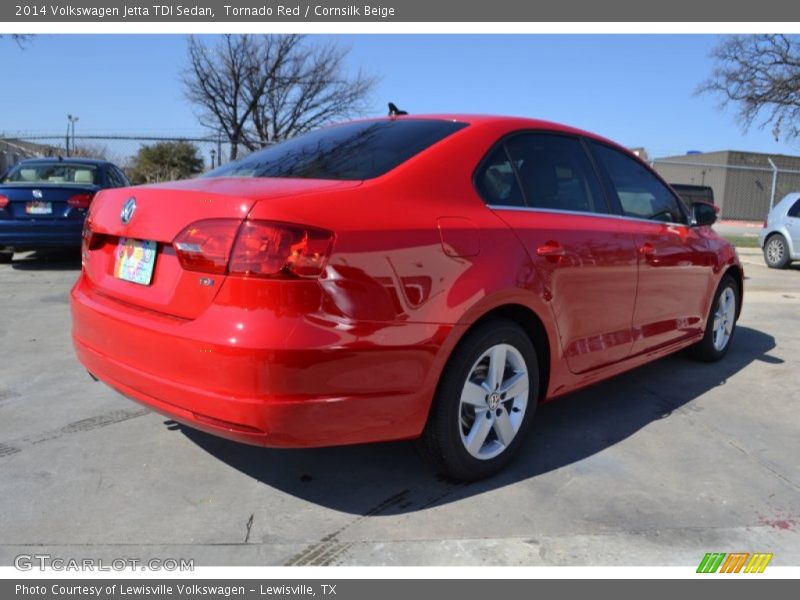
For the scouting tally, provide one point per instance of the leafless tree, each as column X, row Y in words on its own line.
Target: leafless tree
column 20, row 38
column 215, row 82
column 760, row 76
column 305, row 89
column 267, row 88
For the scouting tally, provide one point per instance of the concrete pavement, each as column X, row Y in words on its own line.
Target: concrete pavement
column 655, row 467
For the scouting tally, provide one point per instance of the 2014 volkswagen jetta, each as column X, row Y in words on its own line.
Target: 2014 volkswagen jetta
column 427, row 277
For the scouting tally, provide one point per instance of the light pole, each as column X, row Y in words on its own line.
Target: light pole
column 213, row 156
column 71, row 119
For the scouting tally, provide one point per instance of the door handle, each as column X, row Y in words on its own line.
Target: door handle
column 551, row 249
column 647, row 249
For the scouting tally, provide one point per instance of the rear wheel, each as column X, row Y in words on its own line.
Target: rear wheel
column 721, row 322
column 485, row 402
column 776, row 252
column 5, row 257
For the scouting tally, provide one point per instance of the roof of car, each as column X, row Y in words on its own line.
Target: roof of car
column 75, row 160
column 511, row 122
column 477, row 119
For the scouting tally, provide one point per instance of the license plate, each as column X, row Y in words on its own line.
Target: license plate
column 135, row 260
column 38, row 207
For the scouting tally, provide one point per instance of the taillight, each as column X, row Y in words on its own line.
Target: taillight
column 765, row 223
column 206, row 245
column 86, row 240
column 253, row 248
column 82, row 200
column 86, row 234
column 3, row 201
column 267, row 249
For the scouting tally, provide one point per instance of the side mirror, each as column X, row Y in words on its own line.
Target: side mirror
column 704, row 213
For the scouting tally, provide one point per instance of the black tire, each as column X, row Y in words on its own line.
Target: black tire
column 776, row 252
column 706, row 350
column 442, row 443
column 5, row 257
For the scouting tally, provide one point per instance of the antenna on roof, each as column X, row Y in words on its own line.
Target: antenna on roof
column 394, row 111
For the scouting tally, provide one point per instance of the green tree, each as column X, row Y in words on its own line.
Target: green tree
column 165, row 161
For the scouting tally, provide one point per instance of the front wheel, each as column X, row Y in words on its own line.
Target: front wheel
column 485, row 402
column 721, row 322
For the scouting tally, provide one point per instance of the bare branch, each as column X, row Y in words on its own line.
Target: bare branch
column 261, row 89
column 22, row 39
column 759, row 75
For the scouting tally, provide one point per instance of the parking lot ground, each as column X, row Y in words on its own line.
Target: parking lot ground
column 655, row 467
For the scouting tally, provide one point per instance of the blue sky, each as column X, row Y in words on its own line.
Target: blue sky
column 637, row 90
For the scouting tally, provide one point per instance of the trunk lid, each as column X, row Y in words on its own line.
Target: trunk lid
column 162, row 212
column 42, row 202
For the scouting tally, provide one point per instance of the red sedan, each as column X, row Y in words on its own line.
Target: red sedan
column 427, row 277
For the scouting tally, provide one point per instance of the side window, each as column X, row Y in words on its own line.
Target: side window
column 123, row 180
column 115, row 177
column 556, row 173
column 496, row 181
column 111, row 177
column 640, row 192
column 795, row 210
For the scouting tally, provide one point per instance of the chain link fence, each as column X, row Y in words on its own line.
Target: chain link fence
column 744, row 192
column 119, row 149
column 745, row 185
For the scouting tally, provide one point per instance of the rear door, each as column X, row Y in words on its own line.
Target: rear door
column 675, row 263
column 545, row 187
column 793, row 224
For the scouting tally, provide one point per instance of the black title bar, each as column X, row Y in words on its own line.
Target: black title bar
column 464, row 11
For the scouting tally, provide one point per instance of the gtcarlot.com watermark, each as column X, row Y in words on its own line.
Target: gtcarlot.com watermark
column 42, row 562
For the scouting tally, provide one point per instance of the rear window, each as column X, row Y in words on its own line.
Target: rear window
column 353, row 151
column 54, row 172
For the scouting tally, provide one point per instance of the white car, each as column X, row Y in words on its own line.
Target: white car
column 780, row 234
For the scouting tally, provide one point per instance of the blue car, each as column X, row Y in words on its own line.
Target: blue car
column 43, row 201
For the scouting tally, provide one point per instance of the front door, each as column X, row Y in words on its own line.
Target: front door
column 675, row 264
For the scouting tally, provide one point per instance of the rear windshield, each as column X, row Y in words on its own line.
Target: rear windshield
column 54, row 172
column 361, row 150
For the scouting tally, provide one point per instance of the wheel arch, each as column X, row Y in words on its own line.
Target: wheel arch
column 784, row 233
column 531, row 323
column 735, row 271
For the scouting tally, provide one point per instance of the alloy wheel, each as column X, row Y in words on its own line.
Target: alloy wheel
column 724, row 318
column 493, row 401
column 775, row 250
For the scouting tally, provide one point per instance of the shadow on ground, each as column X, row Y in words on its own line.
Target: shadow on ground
column 48, row 260
column 390, row 478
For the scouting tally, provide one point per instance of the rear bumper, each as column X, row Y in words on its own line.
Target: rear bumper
column 33, row 235
column 299, row 382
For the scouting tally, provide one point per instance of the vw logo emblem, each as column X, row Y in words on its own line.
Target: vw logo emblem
column 37, row 194
column 128, row 209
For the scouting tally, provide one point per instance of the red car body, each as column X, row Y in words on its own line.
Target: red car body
column 417, row 258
